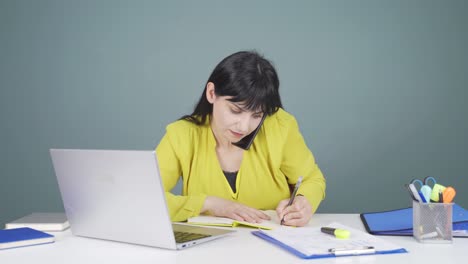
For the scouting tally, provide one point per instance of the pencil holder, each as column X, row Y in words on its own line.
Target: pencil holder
column 432, row 222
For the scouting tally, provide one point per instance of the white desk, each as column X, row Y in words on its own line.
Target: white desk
column 241, row 247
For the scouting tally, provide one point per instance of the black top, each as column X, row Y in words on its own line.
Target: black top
column 231, row 178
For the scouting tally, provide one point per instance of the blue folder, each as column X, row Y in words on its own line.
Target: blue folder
column 400, row 222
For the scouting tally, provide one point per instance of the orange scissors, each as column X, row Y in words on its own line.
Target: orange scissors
column 448, row 194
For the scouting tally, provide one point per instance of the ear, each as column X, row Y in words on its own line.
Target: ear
column 210, row 92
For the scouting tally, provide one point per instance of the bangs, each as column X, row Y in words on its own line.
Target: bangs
column 257, row 97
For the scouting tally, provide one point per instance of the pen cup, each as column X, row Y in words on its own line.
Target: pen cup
column 432, row 222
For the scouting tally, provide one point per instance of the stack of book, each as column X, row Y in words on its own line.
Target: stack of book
column 31, row 230
column 41, row 221
column 24, row 236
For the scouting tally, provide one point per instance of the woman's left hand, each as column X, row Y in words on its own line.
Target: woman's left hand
column 297, row 214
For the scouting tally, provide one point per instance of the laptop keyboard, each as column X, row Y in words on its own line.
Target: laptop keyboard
column 182, row 237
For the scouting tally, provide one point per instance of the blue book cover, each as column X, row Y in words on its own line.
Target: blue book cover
column 400, row 222
column 21, row 237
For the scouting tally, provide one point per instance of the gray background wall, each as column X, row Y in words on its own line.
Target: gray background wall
column 378, row 87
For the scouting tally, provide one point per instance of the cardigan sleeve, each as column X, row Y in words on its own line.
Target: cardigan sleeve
column 180, row 207
column 297, row 160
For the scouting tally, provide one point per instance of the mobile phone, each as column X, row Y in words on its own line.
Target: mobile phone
column 247, row 141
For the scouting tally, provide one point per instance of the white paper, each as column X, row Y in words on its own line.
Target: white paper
column 311, row 241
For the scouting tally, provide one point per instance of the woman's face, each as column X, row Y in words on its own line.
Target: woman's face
column 230, row 121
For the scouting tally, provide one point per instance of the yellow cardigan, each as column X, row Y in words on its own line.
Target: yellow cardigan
column 276, row 159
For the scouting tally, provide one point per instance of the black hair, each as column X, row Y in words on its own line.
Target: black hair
column 248, row 78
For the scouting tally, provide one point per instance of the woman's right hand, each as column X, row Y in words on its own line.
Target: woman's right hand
column 234, row 210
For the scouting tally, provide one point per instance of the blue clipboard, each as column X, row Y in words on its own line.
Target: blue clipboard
column 316, row 256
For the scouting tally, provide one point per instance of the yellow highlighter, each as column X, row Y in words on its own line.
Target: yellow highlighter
column 337, row 232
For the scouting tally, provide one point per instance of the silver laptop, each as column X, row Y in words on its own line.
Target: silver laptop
column 118, row 195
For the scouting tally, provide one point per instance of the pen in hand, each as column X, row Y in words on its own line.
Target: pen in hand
column 293, row 195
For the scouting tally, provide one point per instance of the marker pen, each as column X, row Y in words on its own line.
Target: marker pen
column 338, row 233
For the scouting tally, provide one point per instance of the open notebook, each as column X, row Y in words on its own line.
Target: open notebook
column 207, row 220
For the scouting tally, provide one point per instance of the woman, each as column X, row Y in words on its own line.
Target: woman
column 239, row 152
